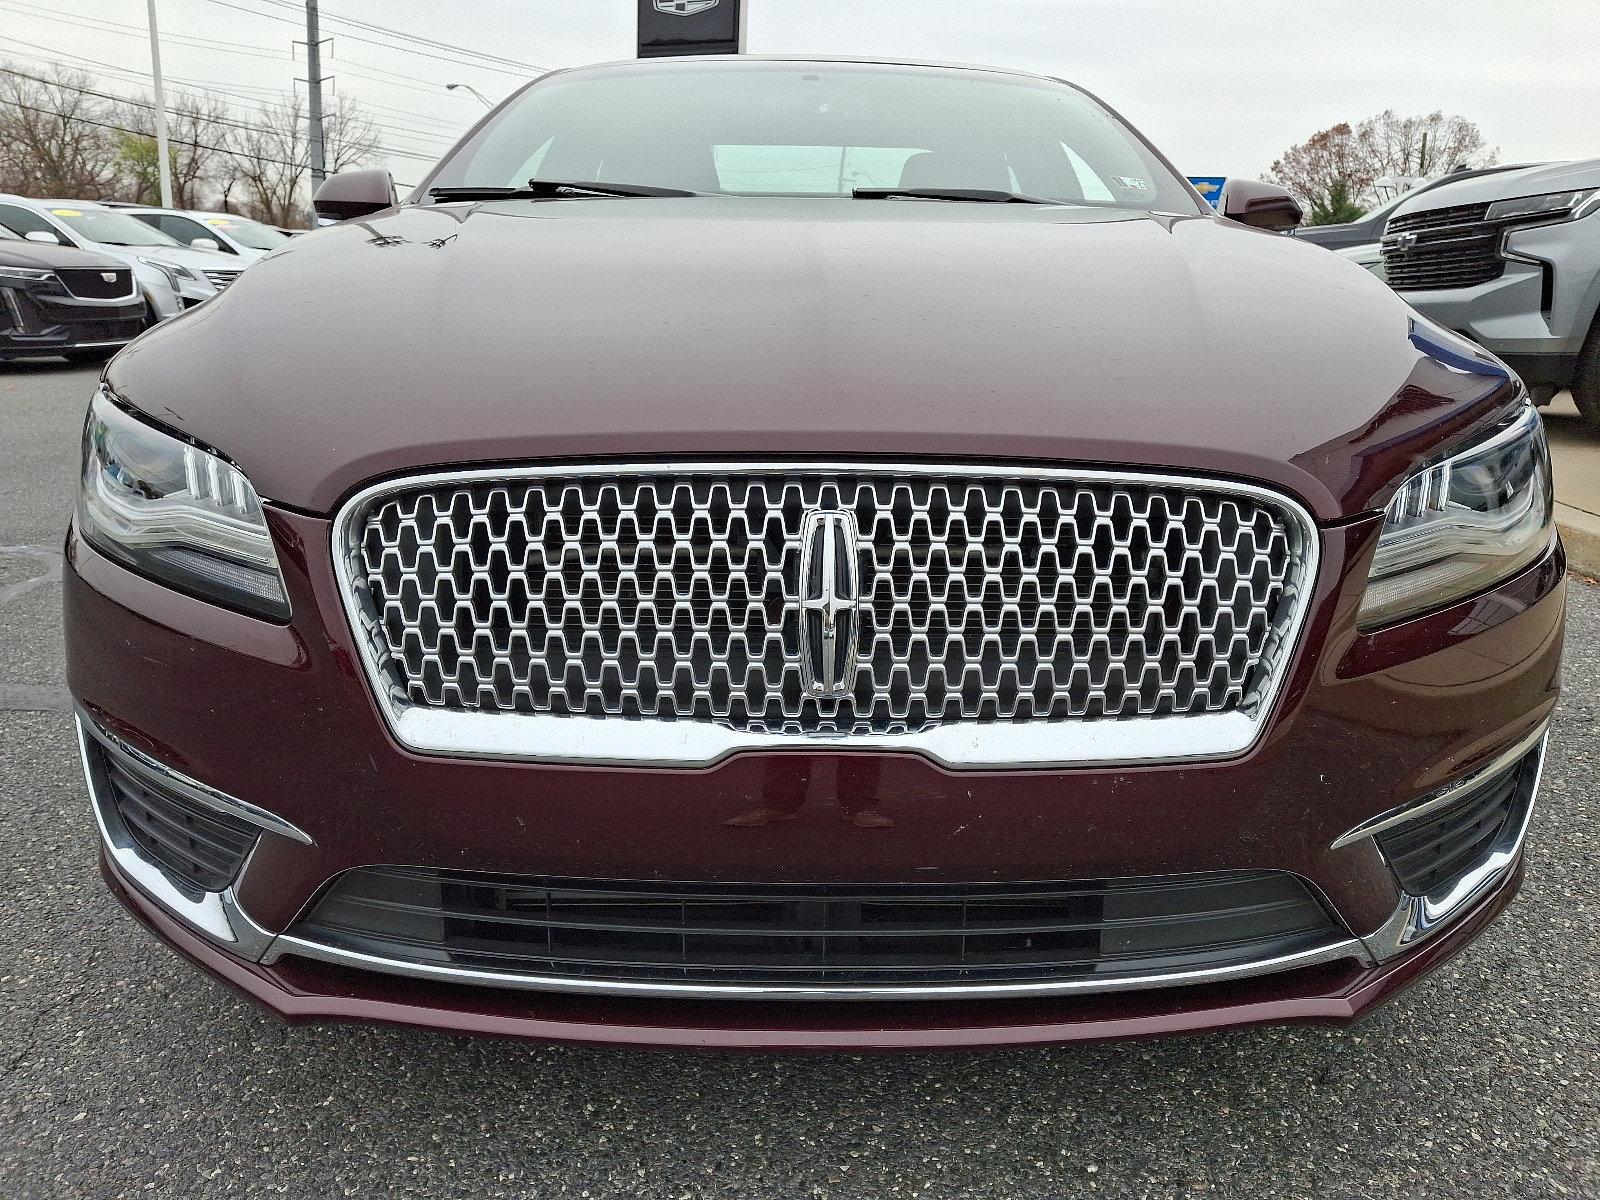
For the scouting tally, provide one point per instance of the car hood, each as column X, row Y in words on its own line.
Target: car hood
column 37, row 254
column 1504, row 185
column 186, row 256
column 728, row 326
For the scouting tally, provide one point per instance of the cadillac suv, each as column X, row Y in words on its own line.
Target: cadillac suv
column 768, row 552
column 60, row 301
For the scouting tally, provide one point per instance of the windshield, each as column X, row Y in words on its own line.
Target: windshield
column 109, row 227
column 247, row 232
column 816, row 129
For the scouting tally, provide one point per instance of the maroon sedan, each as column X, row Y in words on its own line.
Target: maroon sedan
column 759, row 552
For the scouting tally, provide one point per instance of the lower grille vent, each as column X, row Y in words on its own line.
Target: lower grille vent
column 193, row 845
column 1431, row 854
column 780, row 934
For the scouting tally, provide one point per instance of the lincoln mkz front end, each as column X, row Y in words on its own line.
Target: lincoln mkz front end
column 806, row 572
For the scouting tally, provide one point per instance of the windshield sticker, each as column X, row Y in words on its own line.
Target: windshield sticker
column 1131, row 183
column 65, row 212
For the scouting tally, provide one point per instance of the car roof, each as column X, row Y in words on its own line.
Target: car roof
column 129, row 207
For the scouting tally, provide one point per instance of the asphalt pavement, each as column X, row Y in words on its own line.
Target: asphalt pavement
column 125, row 1073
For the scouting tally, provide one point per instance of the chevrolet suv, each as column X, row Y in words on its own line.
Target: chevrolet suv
column 1512, row 260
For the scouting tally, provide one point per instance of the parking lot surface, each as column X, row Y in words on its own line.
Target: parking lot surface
column 124, row 1072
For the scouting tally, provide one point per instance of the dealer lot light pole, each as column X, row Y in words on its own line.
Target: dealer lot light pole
column 163, row 165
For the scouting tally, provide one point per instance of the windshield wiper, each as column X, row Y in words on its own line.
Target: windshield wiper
column 980, row 195
column 553, row 189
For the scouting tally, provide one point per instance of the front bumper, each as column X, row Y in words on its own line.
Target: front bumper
column 282, row 718
column 1537, row 314
column 47, row 319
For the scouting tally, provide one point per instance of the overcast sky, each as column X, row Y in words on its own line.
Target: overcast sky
column 1222, row 87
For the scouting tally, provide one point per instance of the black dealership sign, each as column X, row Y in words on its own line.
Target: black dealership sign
column 690, row 27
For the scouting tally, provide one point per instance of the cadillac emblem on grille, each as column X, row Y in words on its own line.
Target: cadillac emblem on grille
column 830, row 597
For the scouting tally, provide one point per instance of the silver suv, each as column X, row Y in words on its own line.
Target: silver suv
column 1512, row 260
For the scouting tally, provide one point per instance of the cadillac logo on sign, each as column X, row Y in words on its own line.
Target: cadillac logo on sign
column 684, row 8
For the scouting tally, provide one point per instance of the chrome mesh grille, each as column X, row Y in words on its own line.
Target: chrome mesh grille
column 985, row 598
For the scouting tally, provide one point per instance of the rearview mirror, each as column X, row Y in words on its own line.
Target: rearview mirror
column 40, row 235
column 354, row 194
column 1263, row 205
column 205, row 244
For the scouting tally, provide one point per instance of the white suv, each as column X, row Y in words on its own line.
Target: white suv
column 172, row 277
column 225, row 232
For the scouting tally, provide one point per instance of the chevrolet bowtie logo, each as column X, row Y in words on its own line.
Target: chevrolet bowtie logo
column 830, row 601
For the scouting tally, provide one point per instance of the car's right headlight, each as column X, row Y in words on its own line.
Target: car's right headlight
column 24, row 274
column 1464, row 523
column 177, row 513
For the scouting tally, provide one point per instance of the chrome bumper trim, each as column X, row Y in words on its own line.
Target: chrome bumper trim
column 962, row 745
column 1421, row 808
column 217, row 915
column 141, row 763
column 289, row 944
column 1417, row 918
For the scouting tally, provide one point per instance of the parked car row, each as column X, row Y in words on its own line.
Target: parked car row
column 1508, row 256
column 81, row 278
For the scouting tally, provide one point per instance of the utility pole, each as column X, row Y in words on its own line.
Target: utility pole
column 164, row 163
column 319, row 166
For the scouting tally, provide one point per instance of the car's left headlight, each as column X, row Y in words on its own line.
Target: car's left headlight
column 1465, row 523
column 177, row 513
column 174, row 272
column 25, row 274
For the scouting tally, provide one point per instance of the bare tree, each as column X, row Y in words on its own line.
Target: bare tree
column 198, row 141
column 55, row 138
column 1426, row 146
column 1423, row 147
column 272, row 159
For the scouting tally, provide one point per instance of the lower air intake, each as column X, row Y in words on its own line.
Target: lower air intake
column 1431, row 854
column 806, row 935
column 194, row 846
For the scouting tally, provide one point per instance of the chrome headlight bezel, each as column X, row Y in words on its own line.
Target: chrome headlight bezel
column 176, row 513
column 1463, row 523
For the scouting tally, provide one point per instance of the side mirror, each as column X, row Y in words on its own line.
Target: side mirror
column 1263, row 205
column 40, row 235
column 354, row 194
column 206, row 244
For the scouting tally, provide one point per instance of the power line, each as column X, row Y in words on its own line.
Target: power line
column 218, row 47
column 129, row 100
column 121, row 30
column 371, row 26
column 421, row 153
column 139, row 133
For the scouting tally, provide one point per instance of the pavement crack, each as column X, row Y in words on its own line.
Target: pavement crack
column 51, row 573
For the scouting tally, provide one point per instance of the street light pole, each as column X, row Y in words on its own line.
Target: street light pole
column 163, row 163
column 467, row 87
